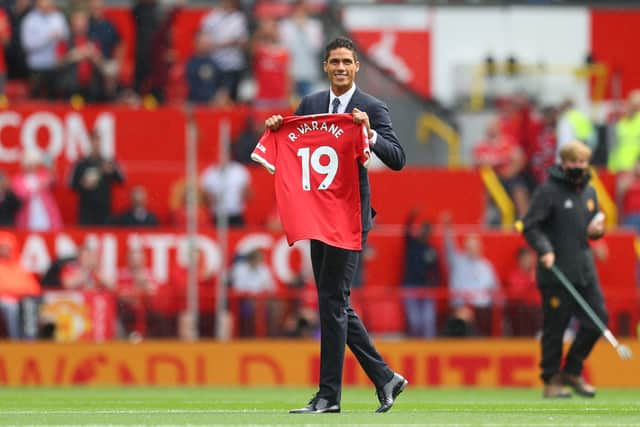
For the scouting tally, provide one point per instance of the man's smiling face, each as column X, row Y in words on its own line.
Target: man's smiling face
column 341, row 68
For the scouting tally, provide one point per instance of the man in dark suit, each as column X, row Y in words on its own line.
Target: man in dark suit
column 333, row 267
column 93, row 178
column 138, row 214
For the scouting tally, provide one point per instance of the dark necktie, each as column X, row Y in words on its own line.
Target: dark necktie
column 335, row 104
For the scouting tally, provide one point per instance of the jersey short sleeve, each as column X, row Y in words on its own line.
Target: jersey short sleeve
column 266, row 151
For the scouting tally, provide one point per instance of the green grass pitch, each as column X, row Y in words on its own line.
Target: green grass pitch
column 268, row 406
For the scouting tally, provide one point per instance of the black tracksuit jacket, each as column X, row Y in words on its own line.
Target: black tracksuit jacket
column 557, row 221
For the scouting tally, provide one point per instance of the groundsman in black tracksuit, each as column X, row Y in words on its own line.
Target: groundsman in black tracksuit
column 558, row 226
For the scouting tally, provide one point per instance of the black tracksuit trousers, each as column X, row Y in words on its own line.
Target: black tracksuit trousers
column 558, row 308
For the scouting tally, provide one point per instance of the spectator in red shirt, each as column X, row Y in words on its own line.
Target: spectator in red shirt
column 15, row 283
column 302, row 320
column 5, row 37
column 502, row 153
column 523, row 300
column 270, row 67
column 83, row 272
column 81, row 62
column 178, row 207
column 135, row 289
column 516, row 117
column 170, row 302
column 543, row 149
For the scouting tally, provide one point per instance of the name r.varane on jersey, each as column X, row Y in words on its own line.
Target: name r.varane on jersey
column 314, row 125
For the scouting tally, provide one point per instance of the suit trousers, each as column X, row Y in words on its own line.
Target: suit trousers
column 558, row 308
column 334, row 269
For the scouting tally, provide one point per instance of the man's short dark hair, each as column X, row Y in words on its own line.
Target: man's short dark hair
column 339, row 42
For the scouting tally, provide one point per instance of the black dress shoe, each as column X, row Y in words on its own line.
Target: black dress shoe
column 318, row 405
column 387, row 393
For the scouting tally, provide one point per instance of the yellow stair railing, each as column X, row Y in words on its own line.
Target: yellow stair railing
column 499, row 196
column 607, row 205
column 427, row 123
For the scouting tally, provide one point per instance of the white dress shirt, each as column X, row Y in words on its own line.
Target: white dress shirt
column 345, row 98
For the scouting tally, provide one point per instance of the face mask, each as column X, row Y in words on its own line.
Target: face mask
column 574, row 174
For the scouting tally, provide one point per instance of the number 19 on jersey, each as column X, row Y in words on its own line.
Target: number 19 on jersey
column 313, row 159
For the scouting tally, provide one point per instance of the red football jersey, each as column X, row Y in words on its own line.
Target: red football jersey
column 271, row 71
column 315, row 161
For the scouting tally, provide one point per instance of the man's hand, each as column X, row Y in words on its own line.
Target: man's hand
column 548, row 259
column 108, row 166
column 90, row 178
column 596, row 226
column 362, row 117
column 274, row 122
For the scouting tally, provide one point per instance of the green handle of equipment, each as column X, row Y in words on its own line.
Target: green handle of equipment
column 579, row 299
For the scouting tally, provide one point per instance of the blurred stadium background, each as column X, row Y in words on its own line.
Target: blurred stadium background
column 116, row 269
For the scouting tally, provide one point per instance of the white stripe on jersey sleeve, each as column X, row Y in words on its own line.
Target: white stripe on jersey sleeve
column 268, row 166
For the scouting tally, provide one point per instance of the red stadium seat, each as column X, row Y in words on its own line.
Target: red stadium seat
column 177, row 89
column 383, row 312
column 17, row 90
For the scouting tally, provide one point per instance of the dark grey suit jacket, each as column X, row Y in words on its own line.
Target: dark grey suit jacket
column 387, row 146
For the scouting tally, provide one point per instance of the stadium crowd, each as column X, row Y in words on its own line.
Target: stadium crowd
column 77, row 54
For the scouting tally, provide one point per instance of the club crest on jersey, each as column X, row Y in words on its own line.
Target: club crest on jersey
column 591, row 205
column 316, row 126
column 568, row 204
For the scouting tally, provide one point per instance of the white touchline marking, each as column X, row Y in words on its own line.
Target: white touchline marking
column 108, row 425
column 312, row 425
column 255, row 410
column 130, row 411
